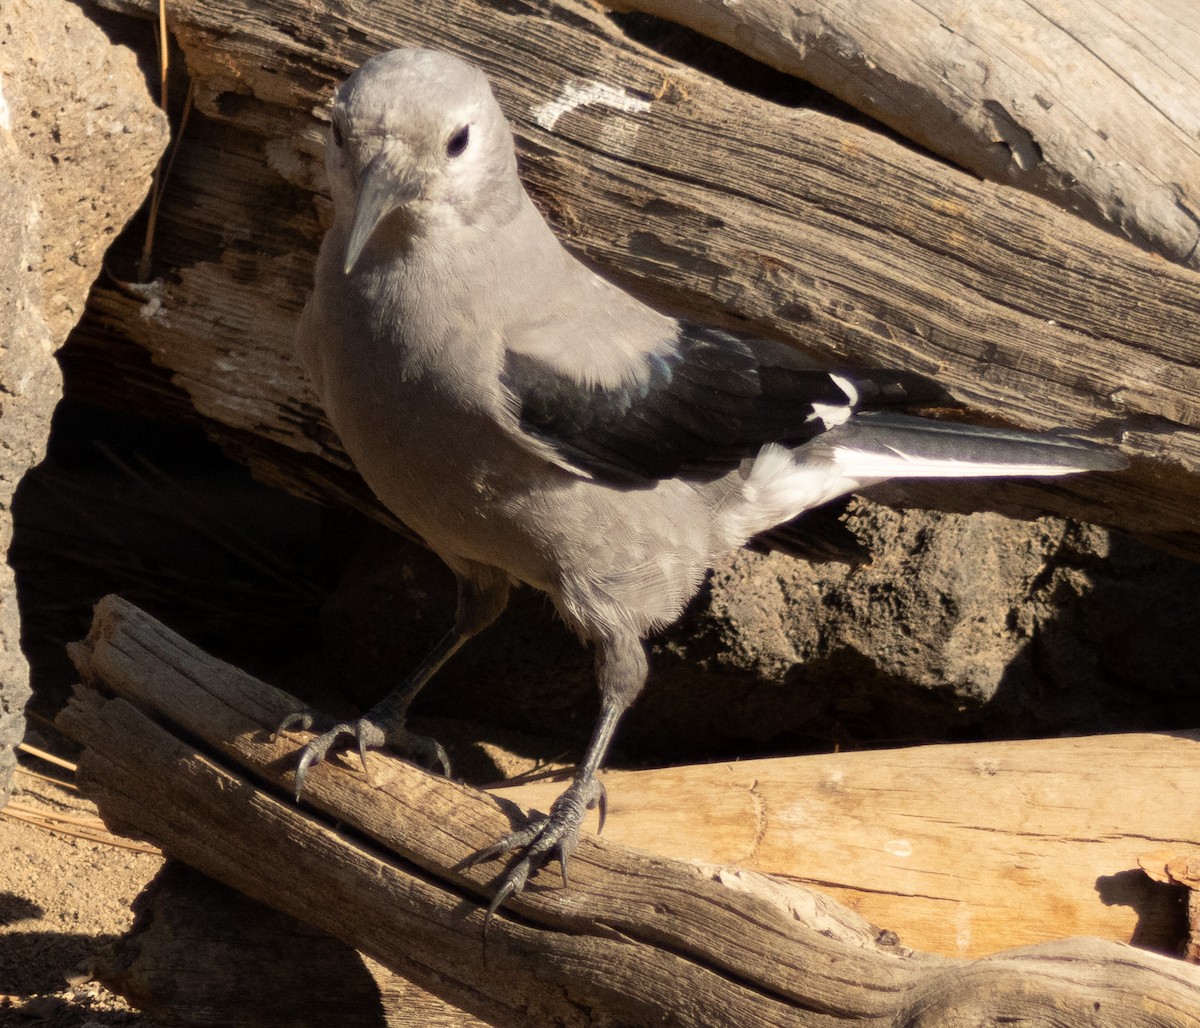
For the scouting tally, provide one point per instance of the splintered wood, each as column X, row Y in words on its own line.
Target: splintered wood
column 1171, row 867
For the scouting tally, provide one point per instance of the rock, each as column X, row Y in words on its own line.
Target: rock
column 79, row 139
column 964, row 626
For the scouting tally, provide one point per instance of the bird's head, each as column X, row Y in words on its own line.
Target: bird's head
column 417, row 140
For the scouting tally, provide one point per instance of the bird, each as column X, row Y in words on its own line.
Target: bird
column 537, row 425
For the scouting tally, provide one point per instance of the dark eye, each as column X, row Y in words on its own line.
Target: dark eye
column 338, row 139
column 457, row 143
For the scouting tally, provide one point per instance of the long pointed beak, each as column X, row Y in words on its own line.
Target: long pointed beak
column 380, row 191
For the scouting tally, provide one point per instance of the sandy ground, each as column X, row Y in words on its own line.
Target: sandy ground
column 62, row 899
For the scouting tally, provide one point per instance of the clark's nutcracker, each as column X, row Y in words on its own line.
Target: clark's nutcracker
column 538, row 425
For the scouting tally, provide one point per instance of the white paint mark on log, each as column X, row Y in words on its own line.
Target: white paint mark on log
column 898, row 847
column 583, row 94
column 5, row 118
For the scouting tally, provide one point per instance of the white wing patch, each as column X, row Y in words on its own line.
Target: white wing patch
column 831, row 414
column 847, row 387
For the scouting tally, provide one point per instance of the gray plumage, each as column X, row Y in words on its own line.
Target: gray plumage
column 537, row 425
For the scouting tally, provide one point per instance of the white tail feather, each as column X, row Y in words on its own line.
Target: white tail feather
column 864, row 464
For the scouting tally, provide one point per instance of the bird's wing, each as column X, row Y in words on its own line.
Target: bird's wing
column 702, row 403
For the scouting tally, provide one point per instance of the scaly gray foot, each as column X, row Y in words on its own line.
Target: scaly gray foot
column 542, row 840
column 368, row 733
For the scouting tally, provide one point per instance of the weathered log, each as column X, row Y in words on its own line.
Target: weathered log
column 964, row 850
column 633, row 940
column 1094, row 107
column 701, row 198
column 201, row 953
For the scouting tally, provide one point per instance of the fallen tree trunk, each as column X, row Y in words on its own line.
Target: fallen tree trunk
column 634, row 940
column 700, row 197
column 1093, row 107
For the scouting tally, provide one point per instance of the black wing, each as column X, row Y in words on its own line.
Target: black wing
column 708, row 402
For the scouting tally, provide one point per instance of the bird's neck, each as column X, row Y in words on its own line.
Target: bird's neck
column 475, row 290
column 450, row 277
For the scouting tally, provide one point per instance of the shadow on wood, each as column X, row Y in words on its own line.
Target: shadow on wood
column 203, row 954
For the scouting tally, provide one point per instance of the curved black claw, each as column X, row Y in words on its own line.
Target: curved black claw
column 369, row 734
column 542, row 840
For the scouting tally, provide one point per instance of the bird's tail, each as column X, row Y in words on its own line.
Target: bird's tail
column 886, row 445
column 871, row 448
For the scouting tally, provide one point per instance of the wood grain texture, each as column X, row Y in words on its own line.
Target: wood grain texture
column 1095, row 106
column 702, row 199
column 964, row 850
column 180, row 753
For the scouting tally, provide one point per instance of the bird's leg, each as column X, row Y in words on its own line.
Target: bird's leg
column 384, row 724
column 621, row 672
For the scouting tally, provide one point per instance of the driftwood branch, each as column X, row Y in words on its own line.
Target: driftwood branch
column 1094, row 107
column 699, row 196
column 182, row 754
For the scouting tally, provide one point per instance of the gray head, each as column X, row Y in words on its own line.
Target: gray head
column 417, row 141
